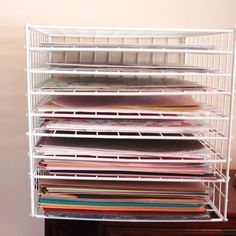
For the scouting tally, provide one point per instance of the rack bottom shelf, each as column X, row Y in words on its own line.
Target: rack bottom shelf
column 215, row 216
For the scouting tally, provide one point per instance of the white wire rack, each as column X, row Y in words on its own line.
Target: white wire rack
column 135, row 46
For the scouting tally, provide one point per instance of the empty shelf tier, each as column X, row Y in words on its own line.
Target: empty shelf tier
column 104, row 32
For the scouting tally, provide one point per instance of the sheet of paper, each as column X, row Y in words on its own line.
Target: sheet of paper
column 101, row 84
column 146, row 104
column 120, row 167
column 129, row 67
column 102, row 125
column 123, row 147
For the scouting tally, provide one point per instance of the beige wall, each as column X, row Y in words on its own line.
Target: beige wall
column 14, row 15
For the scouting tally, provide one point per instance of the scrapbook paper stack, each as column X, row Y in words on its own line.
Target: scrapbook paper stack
column 123, row 168
column 122, row 84
column 121, row 178
column 125, row 158
column 123, row 200
column 168, row 104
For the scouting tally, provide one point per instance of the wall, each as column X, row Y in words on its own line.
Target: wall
column 14, row 15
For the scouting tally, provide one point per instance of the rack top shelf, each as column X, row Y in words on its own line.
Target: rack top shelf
column 123, row 32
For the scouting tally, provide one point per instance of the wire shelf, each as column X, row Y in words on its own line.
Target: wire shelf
column 134, row 92
column 43, row 174
column 60, row 31
column 139, row 159
column 212, row 134
column 216, row 216
column 62, row 71
column 133, row 49
column 212, row 114
column 213, row 156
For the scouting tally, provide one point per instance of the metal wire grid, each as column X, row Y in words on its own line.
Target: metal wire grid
column 42, row 174
column 208, row 115
column 135, row 92
column 135, row 159
column 205, row 135
column 61, row 31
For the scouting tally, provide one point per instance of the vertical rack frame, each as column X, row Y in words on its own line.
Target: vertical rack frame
column 230, row 126
column 30, row 126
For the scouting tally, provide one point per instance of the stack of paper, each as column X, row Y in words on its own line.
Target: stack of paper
column 129, row 67
column 146, row 104
column 124, row 169
column 122, row 147
column 96, row 160
column 149, row 150
column 122, row 84
column 121, row 200
column 128, row 126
